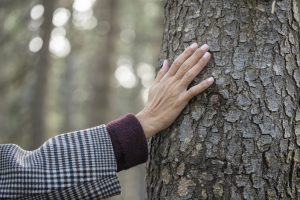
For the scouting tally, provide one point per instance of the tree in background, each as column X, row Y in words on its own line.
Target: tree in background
column 240, row 139
column 102, row 90
column 40, row 86
column 14, row 70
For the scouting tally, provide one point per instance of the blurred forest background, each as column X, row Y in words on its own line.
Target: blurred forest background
column 69, row 65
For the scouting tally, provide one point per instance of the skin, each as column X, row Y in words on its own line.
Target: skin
column 169, row 95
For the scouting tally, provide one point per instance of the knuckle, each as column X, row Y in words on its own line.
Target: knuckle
column 171, row 80
column 176, row 64
column 185, row 66
column 202, row 63
column 189, row 95
column 192, row 92
column 189, row 76
column 180, row 101
column 196, row 56
column 161, row 71
column 199, row 52
column 189, row 51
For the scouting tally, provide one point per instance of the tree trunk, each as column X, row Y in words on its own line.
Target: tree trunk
column 241, row 138
column 105, row 57
column 41, row 78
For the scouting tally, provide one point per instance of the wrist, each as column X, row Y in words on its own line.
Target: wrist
column 128, row 141
column 147, row 124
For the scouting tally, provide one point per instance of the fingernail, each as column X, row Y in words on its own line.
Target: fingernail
column 204, row 47
column 206, row 55
column 194, row 45
column 165, row 63
column 211, row 80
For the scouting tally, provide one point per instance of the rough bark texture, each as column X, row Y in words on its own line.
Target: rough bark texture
column 241, row 138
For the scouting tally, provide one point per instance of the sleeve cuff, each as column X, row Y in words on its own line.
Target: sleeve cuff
column 129, row 141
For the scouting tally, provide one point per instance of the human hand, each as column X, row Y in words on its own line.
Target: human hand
column 169, row 94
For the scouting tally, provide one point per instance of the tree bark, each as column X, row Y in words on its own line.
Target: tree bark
column 241, row 138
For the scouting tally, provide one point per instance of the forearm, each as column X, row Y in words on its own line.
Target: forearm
column 65, row 161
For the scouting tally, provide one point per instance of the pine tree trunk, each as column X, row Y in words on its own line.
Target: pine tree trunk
column 241, row 138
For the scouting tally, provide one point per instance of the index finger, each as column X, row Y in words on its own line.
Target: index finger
column 182, row 58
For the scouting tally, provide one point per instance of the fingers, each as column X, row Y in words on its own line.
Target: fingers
column 197, row 89
column 162, row 71
column 191, row 74
column 182, row 58
column 191, row 61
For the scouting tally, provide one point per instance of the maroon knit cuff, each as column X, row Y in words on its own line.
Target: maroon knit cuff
column 129, row 141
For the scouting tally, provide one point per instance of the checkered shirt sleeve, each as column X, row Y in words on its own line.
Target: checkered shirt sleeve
column 78, row 165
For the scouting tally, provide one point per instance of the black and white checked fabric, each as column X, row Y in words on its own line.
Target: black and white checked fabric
column 79, row 165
